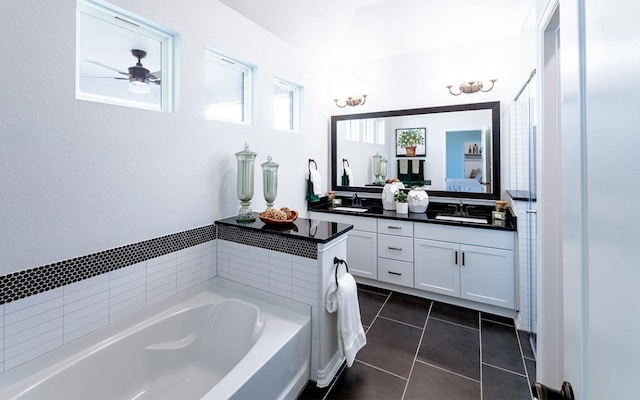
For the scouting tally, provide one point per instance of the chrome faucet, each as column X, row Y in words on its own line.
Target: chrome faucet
column 355, row 200
column 460, row 210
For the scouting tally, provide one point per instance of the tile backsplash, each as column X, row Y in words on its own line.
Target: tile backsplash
column 46, row 307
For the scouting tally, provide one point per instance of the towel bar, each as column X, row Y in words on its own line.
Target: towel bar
column 337, row 261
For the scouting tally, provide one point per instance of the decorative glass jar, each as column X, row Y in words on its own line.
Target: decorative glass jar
column 246, row 159
column 376, row 169
column 270, row 181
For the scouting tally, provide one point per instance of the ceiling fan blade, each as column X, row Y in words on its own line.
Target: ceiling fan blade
column 105, row 77
column 108, row 67
column 155, row 77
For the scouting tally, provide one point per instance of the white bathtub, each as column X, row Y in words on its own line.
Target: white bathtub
column 213, row 342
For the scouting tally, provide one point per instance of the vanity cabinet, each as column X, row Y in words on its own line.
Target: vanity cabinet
column 466, row 266
column 362, row 243
column 460, row 262
column 395, row 252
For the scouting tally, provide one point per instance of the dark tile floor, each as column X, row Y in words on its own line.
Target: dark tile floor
column 423, row 349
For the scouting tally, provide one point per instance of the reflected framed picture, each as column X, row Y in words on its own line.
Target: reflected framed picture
column 411, row 142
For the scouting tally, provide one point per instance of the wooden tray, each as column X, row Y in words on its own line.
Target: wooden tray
column 293, row 215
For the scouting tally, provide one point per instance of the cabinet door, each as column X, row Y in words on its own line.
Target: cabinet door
column 435, row 266
column 362, row 254
column 487, row 276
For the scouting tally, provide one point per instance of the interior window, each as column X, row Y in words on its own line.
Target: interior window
column 229, row 88
column 286, row 105
column 123, row 59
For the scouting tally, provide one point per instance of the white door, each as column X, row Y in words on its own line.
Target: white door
column 597, row 226
column 436, row 266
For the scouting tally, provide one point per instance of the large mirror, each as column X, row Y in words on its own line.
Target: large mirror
column 453, row 151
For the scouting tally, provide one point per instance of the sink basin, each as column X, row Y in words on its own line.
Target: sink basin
column 462, row 219
column 352, row 209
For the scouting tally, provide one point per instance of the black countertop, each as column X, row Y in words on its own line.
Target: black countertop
column 375, row 210
column 312, row 230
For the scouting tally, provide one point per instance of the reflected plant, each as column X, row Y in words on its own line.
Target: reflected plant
column 410, row 137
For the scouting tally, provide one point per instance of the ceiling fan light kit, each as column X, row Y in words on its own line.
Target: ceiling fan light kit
column 138, row 76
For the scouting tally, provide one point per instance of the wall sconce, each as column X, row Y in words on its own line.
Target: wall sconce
column 352, row 101
column 471, row 87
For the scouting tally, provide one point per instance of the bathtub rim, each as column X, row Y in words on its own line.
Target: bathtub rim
column 216, row 289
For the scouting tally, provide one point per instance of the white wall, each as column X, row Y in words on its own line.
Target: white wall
column 420, row 79
column 78, row 177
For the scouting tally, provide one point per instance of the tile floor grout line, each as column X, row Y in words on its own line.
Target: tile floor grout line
column 496, row 322
column 415, row 356
column 506, row 370
column 524, row 363
column 480, row 340
column 401, row 322
column 372, row 292
column 382, row 370
column 378, row 314
column 455, row 323
column 334, row 381
column 449, row 371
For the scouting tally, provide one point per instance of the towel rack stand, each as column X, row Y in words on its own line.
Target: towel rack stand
column 337, row 261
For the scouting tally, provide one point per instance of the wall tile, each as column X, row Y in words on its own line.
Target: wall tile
column 161, row 278
column 1, row 338
column 128, row 291
column 209, row 262
column 222, row 255
column 86, row 307
column 32, row 327
column 189, row 268
column 41, row 322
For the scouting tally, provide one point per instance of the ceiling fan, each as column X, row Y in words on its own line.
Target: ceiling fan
column 138, row 76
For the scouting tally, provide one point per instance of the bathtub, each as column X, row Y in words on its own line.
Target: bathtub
column 217, row 341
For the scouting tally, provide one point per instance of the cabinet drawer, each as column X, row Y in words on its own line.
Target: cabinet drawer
column 399, row 228
column 393, row 271
column 395, row 247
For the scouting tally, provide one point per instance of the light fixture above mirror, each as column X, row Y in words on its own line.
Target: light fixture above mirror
column 352, row 101
column 472, row 87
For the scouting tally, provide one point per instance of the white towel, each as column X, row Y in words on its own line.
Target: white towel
column 404, row 166
column 316, row 180
column 415, row 166
column 343, row 297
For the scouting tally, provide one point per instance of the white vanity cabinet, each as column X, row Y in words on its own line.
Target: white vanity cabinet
column 472, row 264
column 362, row 243
column 395, row 252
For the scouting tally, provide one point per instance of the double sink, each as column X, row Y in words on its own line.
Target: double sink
column 437, row 211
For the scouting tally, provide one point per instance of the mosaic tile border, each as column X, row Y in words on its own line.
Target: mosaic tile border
column 36, row 280
column 269, row 241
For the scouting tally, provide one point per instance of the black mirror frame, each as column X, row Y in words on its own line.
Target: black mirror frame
column 494, row 106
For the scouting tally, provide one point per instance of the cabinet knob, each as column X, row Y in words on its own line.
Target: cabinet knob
column 395, row 248
column 394, row 227
column 394, row 273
